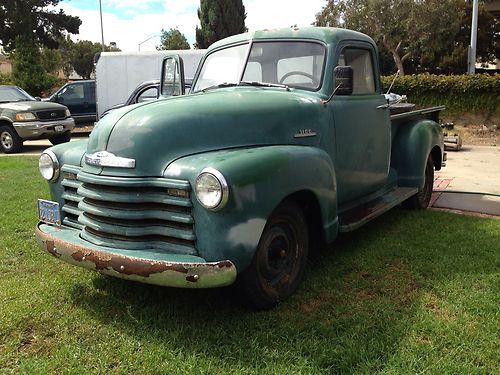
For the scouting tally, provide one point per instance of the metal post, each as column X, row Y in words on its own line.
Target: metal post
column 102, row 29
column 473, row 40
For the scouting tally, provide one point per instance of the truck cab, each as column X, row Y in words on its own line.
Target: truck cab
column 285, row 139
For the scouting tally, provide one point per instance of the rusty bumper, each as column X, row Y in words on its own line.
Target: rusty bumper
column 65, row 244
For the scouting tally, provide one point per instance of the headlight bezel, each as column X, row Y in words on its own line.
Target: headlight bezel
column 25, row 116
column 224, row 188
column 55, row 165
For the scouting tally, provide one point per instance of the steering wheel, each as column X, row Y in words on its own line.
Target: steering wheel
column 298, row 73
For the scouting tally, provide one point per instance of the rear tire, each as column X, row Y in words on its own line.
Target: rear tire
column 10, row 142
column 60, row 138
column 422, row 199
column 280, row 259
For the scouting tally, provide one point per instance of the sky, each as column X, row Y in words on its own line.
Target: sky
column 130, row 22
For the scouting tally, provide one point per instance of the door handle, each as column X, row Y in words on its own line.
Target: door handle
column 383, row 106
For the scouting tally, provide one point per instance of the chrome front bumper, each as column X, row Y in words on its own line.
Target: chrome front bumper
column 37, row 129
column 166, row 270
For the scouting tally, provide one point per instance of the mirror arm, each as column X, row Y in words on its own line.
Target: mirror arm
column 325, row 102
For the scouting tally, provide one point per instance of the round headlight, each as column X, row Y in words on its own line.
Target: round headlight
column 211, row 189
column 49, row 166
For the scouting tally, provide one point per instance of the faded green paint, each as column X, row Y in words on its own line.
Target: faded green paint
column 249, row 134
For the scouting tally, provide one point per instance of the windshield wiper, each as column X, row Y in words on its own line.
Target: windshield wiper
column 220, row 85
column 265, row 84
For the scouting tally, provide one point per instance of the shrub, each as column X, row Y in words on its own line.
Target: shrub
column 459, row 93
column 6, row 79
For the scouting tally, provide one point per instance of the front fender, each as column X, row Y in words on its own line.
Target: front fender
column 411, row 146
column 259, row 179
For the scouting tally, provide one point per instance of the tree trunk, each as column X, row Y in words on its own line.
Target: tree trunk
column 399, row 62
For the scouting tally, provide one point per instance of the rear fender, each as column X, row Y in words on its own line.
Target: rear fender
column 411, row 146
column 258, row 179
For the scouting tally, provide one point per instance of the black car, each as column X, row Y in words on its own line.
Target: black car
column 80, row 99
column 146, row 91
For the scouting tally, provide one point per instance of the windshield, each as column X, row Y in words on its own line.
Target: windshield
column 13, row 94
column 291, row 63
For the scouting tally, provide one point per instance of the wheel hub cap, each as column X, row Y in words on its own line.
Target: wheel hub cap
column 6, row 140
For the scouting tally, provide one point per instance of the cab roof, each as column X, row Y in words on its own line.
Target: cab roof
column 328, row 35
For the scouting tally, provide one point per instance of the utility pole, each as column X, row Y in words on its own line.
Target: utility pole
column 102, row 29
column 473, row 40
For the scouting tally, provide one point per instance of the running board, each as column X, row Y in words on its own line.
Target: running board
column 356, row 217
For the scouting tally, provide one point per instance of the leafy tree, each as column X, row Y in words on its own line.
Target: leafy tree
column 31, row 19
column 219, row 19
column 51, row 60
column 82, row 56
column 27, row 69
column 172, row 39
column 421, row 35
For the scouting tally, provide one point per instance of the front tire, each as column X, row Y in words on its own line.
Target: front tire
column 60, row 138
column 279, row 262
column 10, row 142
column 422, row 199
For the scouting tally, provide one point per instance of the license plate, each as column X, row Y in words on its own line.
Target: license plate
column 48, row 212
column 59, row 128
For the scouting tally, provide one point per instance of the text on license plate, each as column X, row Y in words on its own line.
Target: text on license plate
column 58, row 128
column 48, row 212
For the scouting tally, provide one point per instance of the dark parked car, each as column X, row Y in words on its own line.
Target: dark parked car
column 22, row 117
column 144, row 92
column 80, row 99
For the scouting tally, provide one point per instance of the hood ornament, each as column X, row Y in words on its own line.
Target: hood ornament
column 107, row 159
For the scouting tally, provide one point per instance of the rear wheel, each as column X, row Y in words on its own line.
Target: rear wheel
column 10, row 142
column 422, row 199
column 279, row 262
column 60, row 138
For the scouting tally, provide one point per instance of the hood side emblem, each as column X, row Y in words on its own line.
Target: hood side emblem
column 304, row 133
column 107, row 159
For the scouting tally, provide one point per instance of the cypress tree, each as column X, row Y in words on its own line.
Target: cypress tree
column 219, row 19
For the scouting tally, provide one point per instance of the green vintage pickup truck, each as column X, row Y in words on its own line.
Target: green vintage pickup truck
column 284, row 140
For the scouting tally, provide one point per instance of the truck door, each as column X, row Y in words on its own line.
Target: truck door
column 362, row 127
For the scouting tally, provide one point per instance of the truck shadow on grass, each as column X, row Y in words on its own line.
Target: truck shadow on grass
column 357, row 304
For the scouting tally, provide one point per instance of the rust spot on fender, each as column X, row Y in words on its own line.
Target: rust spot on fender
column 52, row 249
column 125, row 265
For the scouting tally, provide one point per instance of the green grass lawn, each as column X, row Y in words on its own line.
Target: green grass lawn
column 411, row 292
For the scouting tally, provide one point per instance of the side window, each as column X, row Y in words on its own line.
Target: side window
column 362, row 65
column 73, row 93
column 150, row 93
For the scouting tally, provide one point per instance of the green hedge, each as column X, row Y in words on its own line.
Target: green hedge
column 459, row 93
column 6, row 79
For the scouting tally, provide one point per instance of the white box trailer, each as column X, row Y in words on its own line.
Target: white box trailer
column 119, row 73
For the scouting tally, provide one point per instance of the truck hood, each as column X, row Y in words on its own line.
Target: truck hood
column 156, row 133
column 31, row 105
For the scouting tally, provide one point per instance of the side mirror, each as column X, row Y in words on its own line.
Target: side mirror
column 172, row 76
column 37, row 98
column 343, row 77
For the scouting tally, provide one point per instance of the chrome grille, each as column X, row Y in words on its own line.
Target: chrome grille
column 131, row 213
column 71, row 197
column 55, row 114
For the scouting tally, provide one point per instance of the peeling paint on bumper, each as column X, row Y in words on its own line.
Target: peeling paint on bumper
column 65, row 244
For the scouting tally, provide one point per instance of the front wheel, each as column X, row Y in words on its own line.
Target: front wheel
column 10, row 142
column 279, row 262
column 422, row 199
column 60, row 138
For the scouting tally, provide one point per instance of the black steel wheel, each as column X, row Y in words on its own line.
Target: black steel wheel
column 422, row 199
column 60, row 138
column 10, row 142
column 279, row 262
